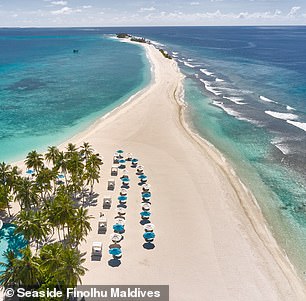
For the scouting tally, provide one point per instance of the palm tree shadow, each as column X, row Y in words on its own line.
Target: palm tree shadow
column 114, row 262
column 90, row 201
column 148, row 246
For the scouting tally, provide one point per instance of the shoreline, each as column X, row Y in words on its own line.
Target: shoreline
column 252, row 227
column 246, row 201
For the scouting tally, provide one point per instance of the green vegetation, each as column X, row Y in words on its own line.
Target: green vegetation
column 123, row 35
column 139, row 40
column 165, row 54
column 53, row 216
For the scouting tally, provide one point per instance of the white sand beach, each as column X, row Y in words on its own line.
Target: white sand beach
column 212, row 242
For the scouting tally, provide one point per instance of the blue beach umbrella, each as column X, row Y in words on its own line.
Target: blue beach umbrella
column 115, row 251
column 30, row 171
column 134, row 160
column 145, row 214
column 118, row 228
column 125, row 180
column 146, row 195
column 122, row 198
column 149, row 235
column 121, row 161
column 120, row 151
column 142, row 177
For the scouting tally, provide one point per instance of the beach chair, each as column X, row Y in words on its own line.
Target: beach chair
column 114, row 171
column 107, row 202
column 102, row 224
column 115, row 160
column 96, row 249
column 111, row 184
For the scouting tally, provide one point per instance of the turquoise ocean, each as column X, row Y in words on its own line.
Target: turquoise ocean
column 244, row 86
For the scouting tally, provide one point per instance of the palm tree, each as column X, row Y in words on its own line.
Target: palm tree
column 86, row 150
column 52, row 154
column 50, row 255
column 25, row 194
column 33, row 226
column 71, row 149
column 9, row 276
column 92, row 172
column 62, row 208
column 61, row 164
column 34, row 160
column 70, row 271
column 43, row 181
column 5, row 171
column 80, row 225
column 5, row 198
column 76, row 170
column 28, row 269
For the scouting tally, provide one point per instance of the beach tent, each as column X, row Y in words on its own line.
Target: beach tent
column 111, row 184
column 96, row 249
column 107, row 202
column 114, row 170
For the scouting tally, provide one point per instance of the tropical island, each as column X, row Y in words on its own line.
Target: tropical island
column 209, row 227
column 142, row 40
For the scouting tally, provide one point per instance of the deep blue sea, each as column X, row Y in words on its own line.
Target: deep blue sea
column 245, row 88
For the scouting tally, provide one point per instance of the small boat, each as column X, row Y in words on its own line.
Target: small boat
column 75, row 50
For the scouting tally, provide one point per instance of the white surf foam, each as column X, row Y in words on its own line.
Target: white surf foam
column 206, row 72
column 190, row 60
column 156, row 43
column 189, row 65
column 229, row 111
column 283, row 116
column 209, row 88
column 236, row 100
column 196, row 75
column 283, row 148
column 300, row 125
column 219, row 79
column 290, row 108
column 174, row 52
column 266, row 99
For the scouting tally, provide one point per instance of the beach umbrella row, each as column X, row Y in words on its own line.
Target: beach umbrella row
column 148, row 235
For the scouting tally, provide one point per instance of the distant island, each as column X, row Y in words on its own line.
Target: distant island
column 142, row 40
